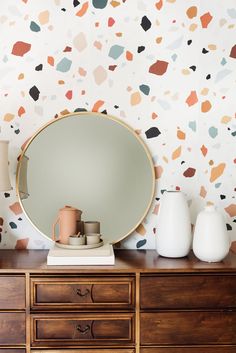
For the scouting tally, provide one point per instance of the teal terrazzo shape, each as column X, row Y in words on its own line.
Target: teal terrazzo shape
column 100, row 4
column 213, row 131
column 34, row 27
column 145, row 89
column 192, row 125
column 116, row 51
column 223, row 61
column 174, row 57
column 217, row 185
column 232, row 12
column 64, row 65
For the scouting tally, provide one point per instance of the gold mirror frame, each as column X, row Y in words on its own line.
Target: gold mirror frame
column 82, row 113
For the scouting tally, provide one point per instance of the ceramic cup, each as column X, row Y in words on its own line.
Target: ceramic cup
column 91, row 227
column 75, row 240
column 93, row 238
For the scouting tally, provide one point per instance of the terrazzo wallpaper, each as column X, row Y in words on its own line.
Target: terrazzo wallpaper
column 167, row 68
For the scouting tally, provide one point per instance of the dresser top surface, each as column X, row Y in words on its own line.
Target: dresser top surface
column 127, row 261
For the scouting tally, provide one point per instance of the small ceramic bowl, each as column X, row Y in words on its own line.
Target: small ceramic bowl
column 75, row 240
column 93, row 238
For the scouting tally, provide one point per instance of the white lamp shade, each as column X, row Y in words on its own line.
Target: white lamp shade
column 4, row 172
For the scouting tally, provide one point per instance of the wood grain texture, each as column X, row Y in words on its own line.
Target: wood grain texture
column 85, row 350
column 127, row 261
column 188, row 328
column 179, row 292
column 202, row 349
column 83, row 329
column 82, row 293
column 12, row 328
column 12, row 293
column 187, row 306
column 11, row 350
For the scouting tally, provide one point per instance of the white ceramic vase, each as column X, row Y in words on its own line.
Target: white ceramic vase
column 174, row 226
column 211, row 242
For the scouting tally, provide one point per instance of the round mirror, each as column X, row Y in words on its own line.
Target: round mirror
column 92, row 162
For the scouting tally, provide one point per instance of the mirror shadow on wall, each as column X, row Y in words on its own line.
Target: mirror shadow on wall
column 92, row 162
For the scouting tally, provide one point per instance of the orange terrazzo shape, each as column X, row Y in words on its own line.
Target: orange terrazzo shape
column 231, row 210
column 20, row 48
column 159, row 4
column 159, row 67
column 191, row 12
column 16, row 208
column 206, row 19
column 83, row 9
column 22, row 244
column 141, row 230
column 181, row 135
column 21, row 111
column 177, row 153
column 206, row 106
column 217, row 171
column 97, row 105
column 192, row 98
column 203, row 192
column 158, row 171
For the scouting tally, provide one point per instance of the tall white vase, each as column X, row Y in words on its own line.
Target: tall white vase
column 174, row 237
column 211, row 242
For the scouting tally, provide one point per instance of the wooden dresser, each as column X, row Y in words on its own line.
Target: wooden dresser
column 143, row 304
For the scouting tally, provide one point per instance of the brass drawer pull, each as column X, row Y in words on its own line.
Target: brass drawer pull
column 79, row 292
column 83, row 330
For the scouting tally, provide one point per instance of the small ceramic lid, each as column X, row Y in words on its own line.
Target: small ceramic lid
column 70, row 208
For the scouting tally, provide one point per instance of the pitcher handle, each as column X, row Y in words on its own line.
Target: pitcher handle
column 54, row 230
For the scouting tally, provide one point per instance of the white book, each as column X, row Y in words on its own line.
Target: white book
column 103, row 255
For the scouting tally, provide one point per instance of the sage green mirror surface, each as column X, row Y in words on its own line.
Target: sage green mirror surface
column 90, row 161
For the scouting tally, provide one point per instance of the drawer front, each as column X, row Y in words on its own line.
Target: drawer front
column 188, row 291
column 82, row 293
column 188, row 328
column 202, row 349
column 11, row 350
column 84, row 350
column 12, row 328
column 12, row 293
column 82, row 329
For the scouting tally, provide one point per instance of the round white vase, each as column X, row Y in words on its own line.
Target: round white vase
column 174, row 237
column 211, row 242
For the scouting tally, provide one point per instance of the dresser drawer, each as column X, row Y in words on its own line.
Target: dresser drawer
column 188, row 328
column 202, row 349
column 82, row 293
column 85, row 350
column 188, row 292
column 11, row 350
column 12, row 293
column 82, row 329
column 12, row 328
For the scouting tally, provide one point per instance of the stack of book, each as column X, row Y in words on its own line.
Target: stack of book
column 103, row 255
